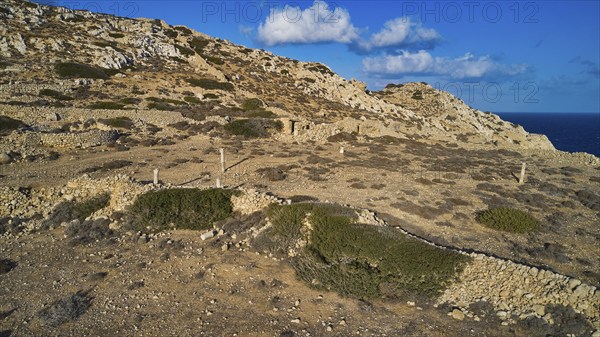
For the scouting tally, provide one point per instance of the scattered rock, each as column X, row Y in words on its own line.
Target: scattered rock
column 5, row 159
column 457, row 314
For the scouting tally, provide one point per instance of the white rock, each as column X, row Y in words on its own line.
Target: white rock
column 207, row 235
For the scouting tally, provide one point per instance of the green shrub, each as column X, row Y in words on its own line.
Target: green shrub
column 213, row 59
column 178, row 60
column 161, row 106
column 171, row 33
column 357, row 260
column 198, row 44
column 287, row 220
column 508, row 220
column 309, row 80
column 192, row 99
column 211, row 96
column 76, row 70
column 116, row 35
column 253, row 128
column 4, row 64
column 179, row 208
column 261, row 113
column 106, row 105
column 66, row 309
column 392, row 86
column 55, row 94
column 417, row 95
column 166, row 100
column 8, row 124
column 184, row 30
column 210, row 84
column 322, row 69
column 70, row 210
column 118, row 122
column 252, row 104
column 284, row 72
column 76, row 18
column 104, row 44
column 184, row 50
column 28, row 4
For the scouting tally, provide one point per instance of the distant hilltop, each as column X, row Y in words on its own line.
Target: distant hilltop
column 147, row 64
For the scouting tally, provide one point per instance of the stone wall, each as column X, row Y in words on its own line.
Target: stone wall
column 519, row 291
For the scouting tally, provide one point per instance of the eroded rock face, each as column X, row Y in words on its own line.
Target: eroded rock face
column 445, row 116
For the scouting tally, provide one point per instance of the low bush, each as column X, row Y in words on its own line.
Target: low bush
column 184, row 30
column 211, row 96
column 107, row 105
column 7, row 265
column 417, row 95
column 178, row 59
column 171, row 33
column 76, row 70
column 192, row 99
column 261, row 113
column 69, row 210
column 359, row 260
column 198, row 44
column 116, row 35
column 66, row 309
column 166, row 100
column 185, row 51
column 508, row 220
column 322, row 69
column 272, row 173
column 210, row 84
column 161, row 106
column 4, row 64
column 89, row 231
column 253, row 128
column 179, row 209
column 8, row 124
column 55, row 94
column 213, row 59
column 252, row 104
column 118, row 122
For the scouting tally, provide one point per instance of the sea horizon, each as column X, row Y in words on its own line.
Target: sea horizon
column 568, row 131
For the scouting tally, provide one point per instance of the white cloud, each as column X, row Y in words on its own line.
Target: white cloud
column 401, row 32
column 246, row 31
column 315, row 24
column 422, row 63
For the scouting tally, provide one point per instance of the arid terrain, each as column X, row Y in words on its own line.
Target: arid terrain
column 91, row 105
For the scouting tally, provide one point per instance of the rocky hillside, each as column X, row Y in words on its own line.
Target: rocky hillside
column 445, row 112
column 56, row 57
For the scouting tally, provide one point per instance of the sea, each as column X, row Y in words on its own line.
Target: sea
column 571, row 132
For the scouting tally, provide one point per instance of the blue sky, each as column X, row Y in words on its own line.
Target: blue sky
column 499, row 56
